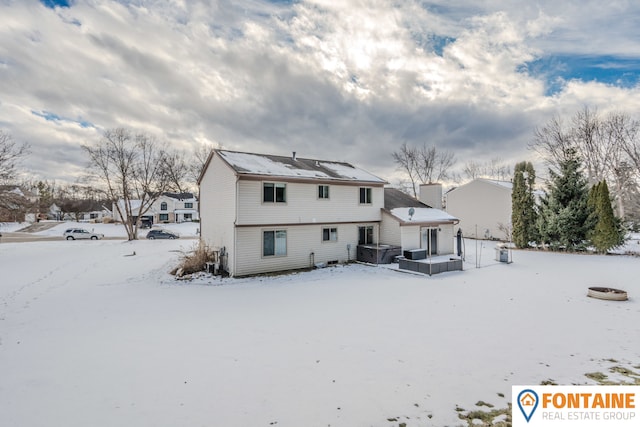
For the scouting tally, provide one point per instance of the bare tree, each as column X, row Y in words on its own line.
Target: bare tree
column 132, row 169
column 199, row 159
column 552, row 141
column 492, row 169
column 407, row 160
column 11, row 153
column 178, row 170
column 605, row 145
column 423, row 165
column 434, row 165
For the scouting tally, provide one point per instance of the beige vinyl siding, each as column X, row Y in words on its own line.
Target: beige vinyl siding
column 218, row 207
column 483, row 204
column 445, row 239
column 302, row 241
column 303, row 205
column 410, row 237
column 390, row 230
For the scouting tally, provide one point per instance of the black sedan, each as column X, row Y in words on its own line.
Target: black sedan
column 161, row 234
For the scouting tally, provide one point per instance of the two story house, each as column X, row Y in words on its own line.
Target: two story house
column 175, row 207
column 168, row 208
column 271, row 213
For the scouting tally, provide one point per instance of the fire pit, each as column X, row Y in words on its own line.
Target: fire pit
column 610, row 294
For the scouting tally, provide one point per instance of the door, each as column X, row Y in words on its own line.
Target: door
column 429, row 240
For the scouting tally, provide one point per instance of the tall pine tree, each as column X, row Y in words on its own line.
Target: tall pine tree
column 564, row 219
column 523, row 213
column 607, row 232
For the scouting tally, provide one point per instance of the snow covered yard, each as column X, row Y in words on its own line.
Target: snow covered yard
column 91, row 336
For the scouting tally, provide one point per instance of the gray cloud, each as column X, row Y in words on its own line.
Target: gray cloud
column 337, row 80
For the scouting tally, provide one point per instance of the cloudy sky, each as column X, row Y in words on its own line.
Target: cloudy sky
column 338, row 80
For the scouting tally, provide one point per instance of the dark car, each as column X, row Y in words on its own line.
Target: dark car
column 161, row 234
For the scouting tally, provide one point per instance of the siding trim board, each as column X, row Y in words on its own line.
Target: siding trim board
column 325, row 181
column 294, row 224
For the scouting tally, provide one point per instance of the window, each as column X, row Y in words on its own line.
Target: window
column 365, row 196
column 330, row 234
column 188, row 217
column 323, row 191
column 365, row 235
column 273, row 192
column 274, row 243
column 188, row 205
column 163, row 217
column 163, row 206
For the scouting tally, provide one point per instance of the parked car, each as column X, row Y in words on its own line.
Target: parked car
column 81, row 233
column 161, row 234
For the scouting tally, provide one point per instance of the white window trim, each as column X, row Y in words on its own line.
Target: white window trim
column 286, row 242
column 318, row 192
column 370, row 191
column 275, row 184
column 329, row 228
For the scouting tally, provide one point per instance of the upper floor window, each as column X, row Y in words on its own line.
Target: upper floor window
column 365, row 196
column 188, row 205
column 163, row 206
column 323, row 191
column 274, row 192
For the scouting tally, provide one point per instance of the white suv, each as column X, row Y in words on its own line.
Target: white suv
column 81, row 233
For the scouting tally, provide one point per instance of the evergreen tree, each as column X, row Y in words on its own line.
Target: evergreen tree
column 607, row 232
column 523, row 213
column 564, row 220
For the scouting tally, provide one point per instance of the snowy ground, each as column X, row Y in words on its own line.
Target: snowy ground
column 90, row 336
column 185, row 229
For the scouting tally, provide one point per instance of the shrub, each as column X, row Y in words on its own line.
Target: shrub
column 195, row 260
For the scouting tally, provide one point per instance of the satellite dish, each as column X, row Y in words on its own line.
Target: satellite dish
column 411, row 212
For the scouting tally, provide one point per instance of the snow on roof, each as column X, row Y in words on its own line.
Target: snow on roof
column 505, row 184
column 259, row 164
column 423, row 215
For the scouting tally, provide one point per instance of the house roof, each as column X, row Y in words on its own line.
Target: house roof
column 504, row 184
column 394, row 198
column 179, row 196
column 423, row 216
column 290, row 167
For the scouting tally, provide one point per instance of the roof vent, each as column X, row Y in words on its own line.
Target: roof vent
column 293, row 156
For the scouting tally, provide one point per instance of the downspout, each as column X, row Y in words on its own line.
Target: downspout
column 235, row 228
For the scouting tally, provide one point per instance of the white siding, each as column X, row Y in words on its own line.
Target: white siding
column 445, row 239
column 302, row 242
column 218, row 208
column 303, row 206
column 410, row 237
column 482, row 204
column 390, row 230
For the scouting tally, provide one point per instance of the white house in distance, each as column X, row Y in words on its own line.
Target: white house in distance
column 168, row 208
column 175, row 207
column 272, row 213
column 482, row 205
column 412, row 224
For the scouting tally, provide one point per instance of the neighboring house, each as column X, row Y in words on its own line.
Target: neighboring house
column 272, row 213
column 483, row 206
column 412, row 224
column 175, row 207
column 96, row 214
column 168, row 208
column 15, row 203
column 135, row 211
